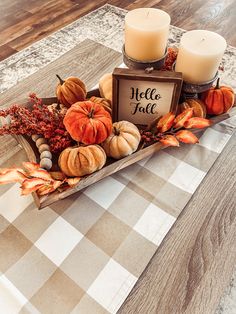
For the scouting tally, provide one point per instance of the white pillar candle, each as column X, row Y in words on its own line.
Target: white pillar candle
column 199, row 56
column 146, row 33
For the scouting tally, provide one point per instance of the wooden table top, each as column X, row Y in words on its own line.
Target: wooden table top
column 23, row 22
column 194, row 263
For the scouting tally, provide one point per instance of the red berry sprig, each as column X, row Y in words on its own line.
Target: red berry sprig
column 38, row 120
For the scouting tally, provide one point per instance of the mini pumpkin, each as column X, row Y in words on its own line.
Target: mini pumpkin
column 218, row 99
column 88, row 123
column 123, row 141
column 102, row 101
column 82, row 160
column 105, row 86
column 70, row 90
column 199, row 108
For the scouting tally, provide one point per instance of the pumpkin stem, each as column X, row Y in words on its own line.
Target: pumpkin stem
column 217, row 83
column 116, row 131
column 60, row 79
column 90, row 115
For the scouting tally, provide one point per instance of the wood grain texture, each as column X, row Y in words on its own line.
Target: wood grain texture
column 44, row 81
column 23, row 22
column 194, row 264
column 192, row 267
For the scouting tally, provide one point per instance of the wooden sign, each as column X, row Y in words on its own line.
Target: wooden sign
column 139, row 97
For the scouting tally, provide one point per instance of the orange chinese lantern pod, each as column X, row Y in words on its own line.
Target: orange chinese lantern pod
column 218, row 99
column 70, row 90
column 88, row 123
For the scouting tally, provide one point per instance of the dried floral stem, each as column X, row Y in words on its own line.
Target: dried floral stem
column 38, row 120
column 170, row 129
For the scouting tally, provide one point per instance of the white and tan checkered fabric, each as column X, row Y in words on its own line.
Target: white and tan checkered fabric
column 85, row 253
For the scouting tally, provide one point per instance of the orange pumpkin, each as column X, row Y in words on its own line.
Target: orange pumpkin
column 218, row 99
column 80, row 161
column 88, row 123
column 102, row 101
column 70, row 91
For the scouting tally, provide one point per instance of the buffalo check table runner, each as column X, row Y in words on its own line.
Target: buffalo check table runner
column 85, row 253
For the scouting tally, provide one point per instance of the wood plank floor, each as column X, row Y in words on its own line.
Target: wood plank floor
column 23, row 22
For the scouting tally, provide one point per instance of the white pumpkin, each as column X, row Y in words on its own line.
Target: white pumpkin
column 123, row 141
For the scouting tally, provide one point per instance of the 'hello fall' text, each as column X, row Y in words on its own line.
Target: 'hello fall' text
column 151, row 94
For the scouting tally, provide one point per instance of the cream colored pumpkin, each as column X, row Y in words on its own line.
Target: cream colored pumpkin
column 82, row 160
column 123, row 141
column 105, row 86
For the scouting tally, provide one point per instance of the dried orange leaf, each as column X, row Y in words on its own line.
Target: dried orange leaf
column 12, row 175
column 183, row 117
column 41, row 173
column 198, row 123
column 166, row 122
column 31, row 183
column 187, row 137
column 56, row 184
column 57, row 175
column 35, row 184
column 169, row 140
column 25, row 191
column 73, row 181
column 45, row 189
column 49, row 188
column 5, row 170
column 30, row 165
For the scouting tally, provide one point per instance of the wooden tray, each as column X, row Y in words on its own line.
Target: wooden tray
column 111, row 166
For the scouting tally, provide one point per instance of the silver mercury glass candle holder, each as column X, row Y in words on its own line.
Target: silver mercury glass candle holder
column 142, row 65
